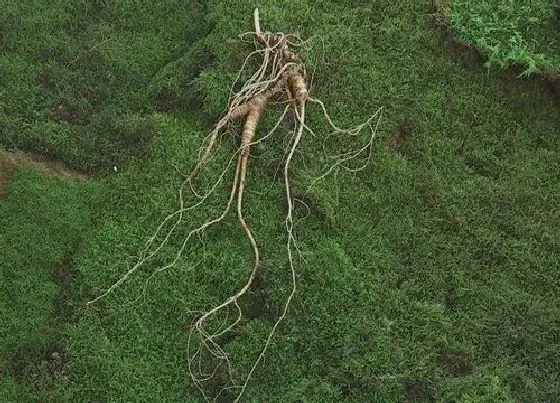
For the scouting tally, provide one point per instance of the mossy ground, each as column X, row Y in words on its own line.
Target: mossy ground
column 510, row 32
column 430, row 276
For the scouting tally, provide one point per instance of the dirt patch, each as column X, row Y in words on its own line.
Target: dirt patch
column 399, row 141
column 37, row 365
column 455, row 363
column 39, row 163
column 553, row 83
column 419, row 390
column 257, row 304
column 63, row 114
column 7, row 169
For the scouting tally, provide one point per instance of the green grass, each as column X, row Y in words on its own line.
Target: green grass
column 83, row 72
column 431, row 275
column 511, row 32
column 43, row 223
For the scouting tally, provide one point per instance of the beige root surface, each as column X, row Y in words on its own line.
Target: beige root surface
column 280, row 75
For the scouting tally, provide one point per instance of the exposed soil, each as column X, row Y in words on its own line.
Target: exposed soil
column 7, row 168
column 258, row 294
column 399, row 141
column 455, row 363
column 419, row 390
column 37, row 364
column 10, row 160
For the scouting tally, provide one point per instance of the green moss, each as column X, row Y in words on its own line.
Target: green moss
column 43, row 222
column 429, row 275
column 510, row 32
column 68, row 63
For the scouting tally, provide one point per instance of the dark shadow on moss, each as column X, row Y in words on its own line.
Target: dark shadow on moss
column 419, row 391
column 7, row 168
column 38, row 364
column 174, row 88
column 455, row 363
column 399, row 142
column 257, row 298
column 71, row 296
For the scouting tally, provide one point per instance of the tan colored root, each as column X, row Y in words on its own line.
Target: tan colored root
column 254, row 95
column 296, row 84
column 298, row 88
column 279, row 73
column 271, row 72
column 207, row 339
column 290, row 241
column 257, row 22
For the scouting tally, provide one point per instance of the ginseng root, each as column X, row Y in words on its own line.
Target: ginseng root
column 282, row 76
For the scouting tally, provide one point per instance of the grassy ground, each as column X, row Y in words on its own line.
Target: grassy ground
column 511, row 32
column 430, row 276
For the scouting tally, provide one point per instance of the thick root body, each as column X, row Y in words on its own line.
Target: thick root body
column 278, row 76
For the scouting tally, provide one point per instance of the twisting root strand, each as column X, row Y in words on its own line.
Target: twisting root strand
column 290, row 241
column 342, row 159
column 279, row 75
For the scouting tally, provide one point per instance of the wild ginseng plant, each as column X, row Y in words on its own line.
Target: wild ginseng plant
column 281, row 79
